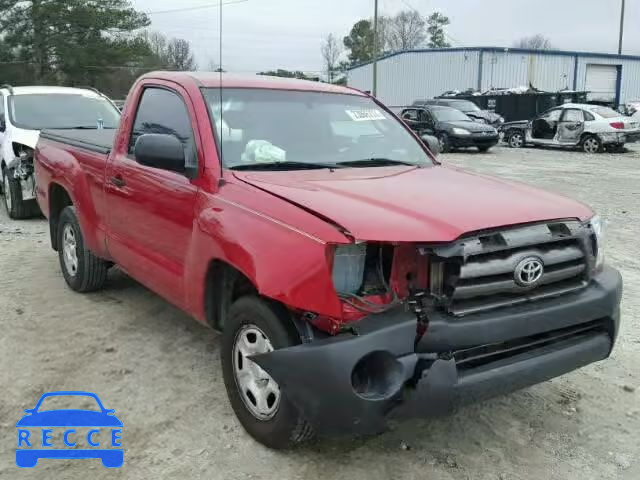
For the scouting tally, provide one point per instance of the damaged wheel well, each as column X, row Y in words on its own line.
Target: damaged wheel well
column 58, row 200
column 224, row 285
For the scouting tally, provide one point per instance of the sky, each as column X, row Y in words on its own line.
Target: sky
column 267, row 34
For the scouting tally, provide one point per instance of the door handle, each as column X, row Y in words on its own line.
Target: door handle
column 118, row 181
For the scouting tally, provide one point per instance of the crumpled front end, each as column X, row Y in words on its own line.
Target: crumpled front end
column 354, row 381
column 490, row 313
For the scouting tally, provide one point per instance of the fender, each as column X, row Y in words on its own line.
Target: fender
column 57, row 165
column 250, row 239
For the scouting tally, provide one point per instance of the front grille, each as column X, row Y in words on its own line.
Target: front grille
column 477, row 357
column 479, row 272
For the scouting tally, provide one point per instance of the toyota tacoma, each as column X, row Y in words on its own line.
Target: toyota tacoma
column 353, row 277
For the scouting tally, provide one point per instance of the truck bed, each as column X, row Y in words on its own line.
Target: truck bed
column 96, row 140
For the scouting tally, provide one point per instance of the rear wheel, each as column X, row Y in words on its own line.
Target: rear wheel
column 515, row 139
column 82, row 270
column 253, row 327
column 591, row 144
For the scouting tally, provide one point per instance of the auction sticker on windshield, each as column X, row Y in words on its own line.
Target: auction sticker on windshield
column 365, row 115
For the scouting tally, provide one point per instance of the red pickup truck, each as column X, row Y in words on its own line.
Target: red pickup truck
column 352, row 275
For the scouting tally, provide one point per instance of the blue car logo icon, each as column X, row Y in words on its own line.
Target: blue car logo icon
column 35, row 430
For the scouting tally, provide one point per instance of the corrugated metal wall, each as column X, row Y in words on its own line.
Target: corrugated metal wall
column 545, row 72
column 412, row 75
column 407, row 76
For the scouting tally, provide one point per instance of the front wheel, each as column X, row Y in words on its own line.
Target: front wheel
column 443, row 143
column 16, row 207
column 82, row 270
column 515, row 139
column 254, row 327
column 591, row 144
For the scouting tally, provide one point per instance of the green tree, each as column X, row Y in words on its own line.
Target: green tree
column 436, row 23
column 359, row 42
column 179, row 55
column 73, row 41
column 405, row 31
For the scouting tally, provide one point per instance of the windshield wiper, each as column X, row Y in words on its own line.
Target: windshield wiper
column 85, row 127
column 285, row 166
column 376, row 162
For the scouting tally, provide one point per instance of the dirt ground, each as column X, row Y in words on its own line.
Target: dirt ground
column 160, row 370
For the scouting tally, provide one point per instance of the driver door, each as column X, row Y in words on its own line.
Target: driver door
column 571, row 126
column 545, row 127
column 150, row 217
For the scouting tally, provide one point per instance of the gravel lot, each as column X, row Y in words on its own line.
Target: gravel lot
column 160, row 370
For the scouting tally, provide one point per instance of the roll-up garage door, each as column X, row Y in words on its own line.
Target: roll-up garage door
column 602, row 82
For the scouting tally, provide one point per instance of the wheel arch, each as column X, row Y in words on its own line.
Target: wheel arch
column 224, row 284
column 59, row 199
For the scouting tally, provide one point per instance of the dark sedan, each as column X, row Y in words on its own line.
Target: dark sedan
column 451, row 127
column 465, row 106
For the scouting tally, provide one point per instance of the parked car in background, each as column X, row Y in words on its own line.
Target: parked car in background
column 451, row 127
column 24, row 111
column 589, row 127
column 632, row 109
column 467, row 107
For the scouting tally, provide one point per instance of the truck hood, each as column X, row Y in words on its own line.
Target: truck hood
column 406, row 204
column 519, row 123
column 473, row 127
column 486, row 115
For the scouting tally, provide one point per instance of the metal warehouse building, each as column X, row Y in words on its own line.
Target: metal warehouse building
column 409, row 75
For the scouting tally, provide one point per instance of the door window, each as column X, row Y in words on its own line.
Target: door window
column 588, row 116
column 573, row 116
column 410, row 115
column 424, row 117
column 164, row 111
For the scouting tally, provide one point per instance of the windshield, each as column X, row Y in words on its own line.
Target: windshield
column 449, row 115
column 605, row 112
column 465, row 106
column 40, row 111
column 261, row 126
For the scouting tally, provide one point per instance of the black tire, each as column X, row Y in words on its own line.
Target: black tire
column 16, row 208
column 515, row 139
column 287, row 427
column 591, row 144
column 483, row 149
column 91, row 271
column 445, row 145
column 617, row 148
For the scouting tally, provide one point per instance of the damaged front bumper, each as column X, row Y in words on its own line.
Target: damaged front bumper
column 353, row 383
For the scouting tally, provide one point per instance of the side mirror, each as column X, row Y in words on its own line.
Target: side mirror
column 432, row 144
column 161, row 151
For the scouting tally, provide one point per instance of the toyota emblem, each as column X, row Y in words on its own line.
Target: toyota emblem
column 529, row 271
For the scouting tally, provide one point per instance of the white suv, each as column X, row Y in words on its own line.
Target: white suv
column 24, row 112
